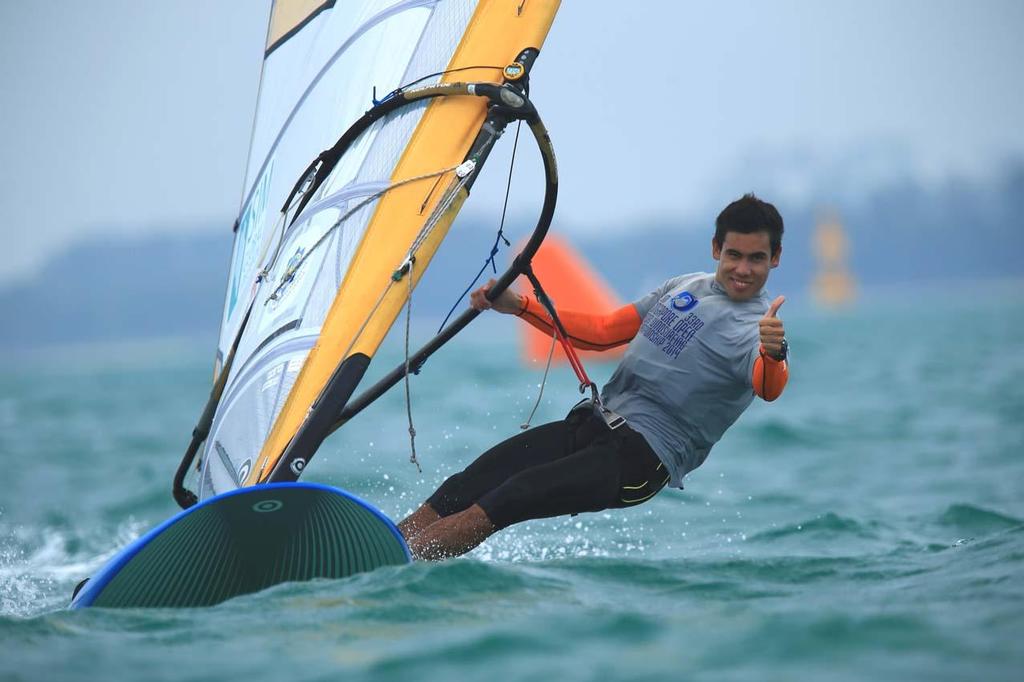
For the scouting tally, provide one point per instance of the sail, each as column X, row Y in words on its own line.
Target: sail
column 312, row 288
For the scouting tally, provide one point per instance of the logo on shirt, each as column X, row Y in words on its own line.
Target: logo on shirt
column 669, row 331
column 267, row 506
column 684, row 301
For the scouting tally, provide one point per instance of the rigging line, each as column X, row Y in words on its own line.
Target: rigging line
column 559, row 330
column 408, row 390
column 293, row 205
column 261, row 276
column 426, row 199
column 464, row 172
column 264, row 270
column 543, row 383
column 290, row 273
column 282, row 227
column 279, row 226
column 508, row 191
column 406, row 266
column 499, row 237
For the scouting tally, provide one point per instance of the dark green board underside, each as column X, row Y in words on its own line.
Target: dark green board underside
column 242, row 543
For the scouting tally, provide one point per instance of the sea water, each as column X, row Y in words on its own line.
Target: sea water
column 867, row 525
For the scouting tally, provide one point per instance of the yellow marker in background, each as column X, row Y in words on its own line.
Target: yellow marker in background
column 833, row 285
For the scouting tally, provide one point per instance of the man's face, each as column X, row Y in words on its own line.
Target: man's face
column 743, row 263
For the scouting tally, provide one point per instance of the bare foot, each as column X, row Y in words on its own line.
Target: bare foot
column 418, row 521
column 453, row 535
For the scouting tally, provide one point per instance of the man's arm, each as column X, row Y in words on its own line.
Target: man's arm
column 769, row 376
column 771, row 368
column 587, row 331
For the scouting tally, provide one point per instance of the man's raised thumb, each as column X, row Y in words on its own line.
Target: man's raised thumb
column 773, row 309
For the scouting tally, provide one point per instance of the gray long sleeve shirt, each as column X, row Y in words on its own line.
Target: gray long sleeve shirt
column 686, row 375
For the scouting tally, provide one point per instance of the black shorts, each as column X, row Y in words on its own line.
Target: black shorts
column 574, row 465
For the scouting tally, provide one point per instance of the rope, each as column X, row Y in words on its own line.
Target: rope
column 282, row 224
column 463, row 173
column 264, row 271
column 559, row 330
column 543, row 383
column 279, row 226
column 498, row 238
column 407, row 264
column 408, row 391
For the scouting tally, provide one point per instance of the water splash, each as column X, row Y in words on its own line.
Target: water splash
column 40, row 567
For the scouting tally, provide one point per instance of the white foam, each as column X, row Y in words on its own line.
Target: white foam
column 38, row 572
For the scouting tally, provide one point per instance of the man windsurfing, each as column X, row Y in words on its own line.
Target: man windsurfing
column 701, row 346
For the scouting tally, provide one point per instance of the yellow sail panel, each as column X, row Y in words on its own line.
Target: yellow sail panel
column 288, row 16
column 498, row 31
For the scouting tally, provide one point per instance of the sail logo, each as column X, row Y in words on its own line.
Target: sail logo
column 249, row 239
column 243, row 471
column 684, row 301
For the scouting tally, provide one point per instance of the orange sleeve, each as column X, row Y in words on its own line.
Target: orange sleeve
column 587, row 331
column 769, row 376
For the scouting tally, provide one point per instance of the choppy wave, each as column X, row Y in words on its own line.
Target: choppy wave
column 826, row 525
column 868, row 524
column 39, row 568
column 973, row 519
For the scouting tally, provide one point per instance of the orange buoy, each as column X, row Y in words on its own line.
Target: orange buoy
column 573, row 285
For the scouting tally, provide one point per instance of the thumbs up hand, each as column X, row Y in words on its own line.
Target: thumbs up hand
column 772, row 332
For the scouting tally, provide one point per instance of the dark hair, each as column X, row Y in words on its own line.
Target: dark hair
column 749, row 214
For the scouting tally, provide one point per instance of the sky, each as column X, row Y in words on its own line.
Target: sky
column 120, row 117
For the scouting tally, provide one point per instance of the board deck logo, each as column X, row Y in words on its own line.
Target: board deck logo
column 267, row 506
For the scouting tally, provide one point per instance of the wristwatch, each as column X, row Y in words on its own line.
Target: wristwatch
column 783, row 351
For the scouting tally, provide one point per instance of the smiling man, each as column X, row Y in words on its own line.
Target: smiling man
column 701, row 346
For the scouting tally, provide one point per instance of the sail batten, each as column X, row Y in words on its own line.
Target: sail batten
column 310, row 295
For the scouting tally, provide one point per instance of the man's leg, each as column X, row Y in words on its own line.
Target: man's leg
column 453, row 535
column 459, row 492
column 611, row 470
column 416, row 522
column 586, row 480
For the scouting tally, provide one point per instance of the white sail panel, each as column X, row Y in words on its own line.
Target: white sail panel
column 313, row 86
